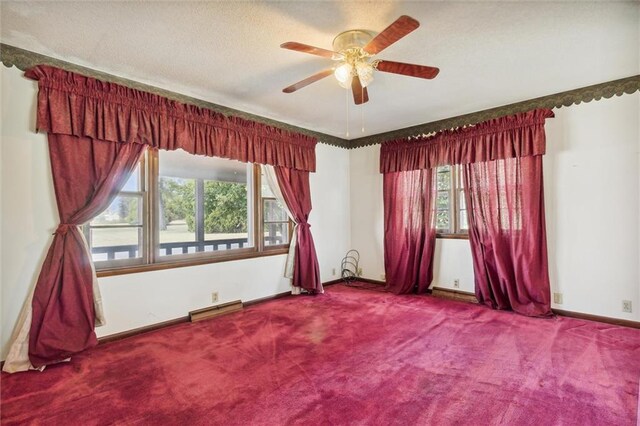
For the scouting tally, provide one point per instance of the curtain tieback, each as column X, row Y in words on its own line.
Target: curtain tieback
column 304, row 225
column 63, row 228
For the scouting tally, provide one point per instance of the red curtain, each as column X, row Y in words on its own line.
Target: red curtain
column 72, row 104
column 502, row 167
column 519, row 135
column 505, row 207
column 87, row 175
column 294, row 185
column 409, row 230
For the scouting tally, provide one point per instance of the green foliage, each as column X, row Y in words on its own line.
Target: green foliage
column 225, row 205
column 177, row 199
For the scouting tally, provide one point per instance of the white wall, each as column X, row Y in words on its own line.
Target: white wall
column 592, row 204
column 29, row 217
column 367, row 216
column 592, row 194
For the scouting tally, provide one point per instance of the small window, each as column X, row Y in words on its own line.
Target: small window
column 276, row 225
column 451, row 209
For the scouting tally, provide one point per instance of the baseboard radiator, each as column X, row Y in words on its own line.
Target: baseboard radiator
column 214, row 311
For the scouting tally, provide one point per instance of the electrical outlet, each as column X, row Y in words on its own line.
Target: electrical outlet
column 557, row 298
column 456, row 283
column 214, row 297
column 626, row 306
column 333, row 272
column 359, row 272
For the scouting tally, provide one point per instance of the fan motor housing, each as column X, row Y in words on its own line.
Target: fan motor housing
column 352, row 39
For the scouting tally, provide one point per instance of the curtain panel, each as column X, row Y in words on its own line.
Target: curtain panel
column 507, row 233
column 519, row 135
column 272, row 180
column 409, row 230
column 65, row 304
column 294, row 185
column 72, row 104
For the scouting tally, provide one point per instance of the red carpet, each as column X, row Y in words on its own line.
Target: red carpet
column 347, row 357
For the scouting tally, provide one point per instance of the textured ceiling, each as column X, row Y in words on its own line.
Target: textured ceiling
column 489, row 53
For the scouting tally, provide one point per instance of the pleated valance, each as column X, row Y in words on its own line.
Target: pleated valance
column 73, row 104
column 519, row 135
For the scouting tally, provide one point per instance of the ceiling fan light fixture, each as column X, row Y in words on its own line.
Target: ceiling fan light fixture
column 365, row 73
column 344, row 73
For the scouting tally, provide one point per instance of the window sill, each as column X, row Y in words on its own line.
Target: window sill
column 190, row 262
column 452, row 236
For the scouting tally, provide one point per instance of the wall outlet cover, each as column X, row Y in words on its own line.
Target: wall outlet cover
column 456, row 283
column 214, row 297
column 557, row 298
column 626, row 306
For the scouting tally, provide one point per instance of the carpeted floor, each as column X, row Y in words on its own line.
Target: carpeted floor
column 351, row 356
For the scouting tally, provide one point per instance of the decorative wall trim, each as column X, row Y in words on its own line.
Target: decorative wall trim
column 596, row 92
column 24, row 59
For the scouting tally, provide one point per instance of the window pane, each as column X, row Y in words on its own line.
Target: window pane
column 204, row 203
column 265, row 189
column 442, row 202
column 276, row 223
column 461, row 201
column 464, row 225
column 273, row 211
column 225, row 210
column 444, row 177
column 442, row 220
column 116, row 243
column 133, row 184
column 176, row 212
column 124, row 210
column 276, row 233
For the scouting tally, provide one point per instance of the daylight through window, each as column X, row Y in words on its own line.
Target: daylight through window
column 451, row 210
column 180, row 208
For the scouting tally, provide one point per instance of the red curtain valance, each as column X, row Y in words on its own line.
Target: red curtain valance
column 519, row 135
column 72, row 104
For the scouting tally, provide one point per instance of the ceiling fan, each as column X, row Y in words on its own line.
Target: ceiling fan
column 353, row 53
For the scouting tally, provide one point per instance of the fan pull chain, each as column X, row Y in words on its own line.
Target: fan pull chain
column 362, row 109
column 346, row 97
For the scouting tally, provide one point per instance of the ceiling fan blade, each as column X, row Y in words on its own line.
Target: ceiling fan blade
column 394, row 32
column 413, row 70
column 305, row 48
column 307, row 81
column 360, row 94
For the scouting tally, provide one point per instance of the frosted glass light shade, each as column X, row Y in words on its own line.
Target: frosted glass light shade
column 365, row 72
column 343, row 74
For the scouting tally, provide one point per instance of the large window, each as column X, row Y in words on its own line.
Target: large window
column 180, row 209
column 451, row 210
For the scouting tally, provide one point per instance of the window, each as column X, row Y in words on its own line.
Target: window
column 182, row 209
column 276, row 226
column 117, row 235
column 451, row 210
